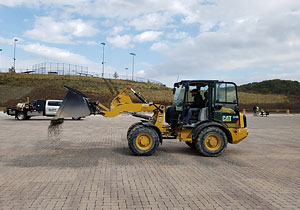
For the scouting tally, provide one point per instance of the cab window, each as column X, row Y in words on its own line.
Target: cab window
column 226, row 95
column 54, row 103
column 179, row 98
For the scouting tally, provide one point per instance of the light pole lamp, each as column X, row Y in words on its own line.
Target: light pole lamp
column 103, row 44
column 15, row 40
column 132, row 64
column 126, row 69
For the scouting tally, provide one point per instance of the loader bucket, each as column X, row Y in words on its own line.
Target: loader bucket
column 75, row 104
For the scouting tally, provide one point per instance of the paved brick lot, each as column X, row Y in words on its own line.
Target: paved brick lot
column 90, row 167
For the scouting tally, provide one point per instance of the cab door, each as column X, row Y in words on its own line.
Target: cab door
column 225, row 105
column 52, row 107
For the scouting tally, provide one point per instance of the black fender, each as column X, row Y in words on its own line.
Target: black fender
column 155, row 128
column 206, row 124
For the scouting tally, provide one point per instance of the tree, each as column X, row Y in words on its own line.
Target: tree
column 116, row 75
column 12, row 70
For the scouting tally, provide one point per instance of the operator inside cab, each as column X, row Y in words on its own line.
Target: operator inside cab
column 195, row 106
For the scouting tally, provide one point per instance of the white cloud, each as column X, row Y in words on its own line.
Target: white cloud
column 148, row 36
column 47, row 29
column 56, row 54
column 177, row 35
column 116, row 30
column 141, row 73
column 159, row 46
column 152, row 21
column 120, row 41
column 6, row 41
column 91, row 43
column 209, row 36
column 10, row 41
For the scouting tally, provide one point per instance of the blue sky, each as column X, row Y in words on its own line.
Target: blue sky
column 240, row 41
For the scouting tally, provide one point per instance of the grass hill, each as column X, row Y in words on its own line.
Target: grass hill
column 276, row 86
column 271, row 94
column 15, row 88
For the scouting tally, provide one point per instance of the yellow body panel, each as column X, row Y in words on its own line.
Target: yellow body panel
column 134, row 107
column 123, row 103
column 238, row 134
column 226, row 110
column 242, row 123
column 185, row 134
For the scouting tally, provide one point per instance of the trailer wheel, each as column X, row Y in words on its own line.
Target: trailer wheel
column 21, row 116
column 211, row 142
column 143, row 141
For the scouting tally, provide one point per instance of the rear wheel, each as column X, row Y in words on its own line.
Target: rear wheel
column 143, row 141
column 21, row 116
column 211, row 142
column 191, row 144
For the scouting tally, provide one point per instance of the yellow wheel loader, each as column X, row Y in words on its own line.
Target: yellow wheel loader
column 207, row 128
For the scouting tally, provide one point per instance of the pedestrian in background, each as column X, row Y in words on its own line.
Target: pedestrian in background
column 254, row 110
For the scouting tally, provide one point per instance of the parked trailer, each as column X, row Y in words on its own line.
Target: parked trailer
column 24, row 111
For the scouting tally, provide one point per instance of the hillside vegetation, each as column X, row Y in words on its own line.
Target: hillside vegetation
column 271, row 94
column 276, row 86
column 16, row 88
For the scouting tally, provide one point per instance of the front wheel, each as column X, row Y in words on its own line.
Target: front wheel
column 21, row 116
column 211, row 142
column 132, row 127
column 143, row 141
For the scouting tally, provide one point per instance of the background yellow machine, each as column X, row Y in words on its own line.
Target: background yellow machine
column 212, row 125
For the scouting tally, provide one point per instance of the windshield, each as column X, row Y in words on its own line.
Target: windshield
column 179, row 98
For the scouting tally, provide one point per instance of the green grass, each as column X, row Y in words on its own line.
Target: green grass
column 254, row 98
column 16, row 88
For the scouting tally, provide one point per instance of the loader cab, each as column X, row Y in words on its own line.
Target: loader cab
column 219, row 102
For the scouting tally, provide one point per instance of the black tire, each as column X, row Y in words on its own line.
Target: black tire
column 76, row 118
column 211, row 142
column 132, row 127
column 191, row 144
column 21, row 116
column 143, row 141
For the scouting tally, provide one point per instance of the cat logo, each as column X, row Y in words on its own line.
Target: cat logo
column 226, row 118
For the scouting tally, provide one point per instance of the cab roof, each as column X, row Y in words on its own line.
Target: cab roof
column 196, row 82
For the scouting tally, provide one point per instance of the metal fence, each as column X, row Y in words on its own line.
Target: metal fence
column 75, row 70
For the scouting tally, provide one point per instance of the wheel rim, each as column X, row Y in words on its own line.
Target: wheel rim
column 213, row 142
column 144, row 141
column 21, row 116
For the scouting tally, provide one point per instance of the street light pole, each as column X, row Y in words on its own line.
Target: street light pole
column 103, row 59
column 0, row 59
column 126, row 73
column 132, row 64
column 15, row 53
